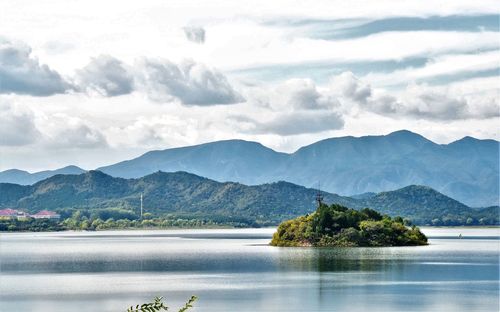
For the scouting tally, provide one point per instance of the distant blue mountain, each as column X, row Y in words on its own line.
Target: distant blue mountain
column 25, row 178
column 232, row 160
column 466, row 170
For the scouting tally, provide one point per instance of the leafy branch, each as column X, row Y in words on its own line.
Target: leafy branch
column 159, row 305
column 188, row 304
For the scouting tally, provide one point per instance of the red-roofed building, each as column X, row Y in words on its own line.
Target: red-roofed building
column 8, row 213
column 12, row 214
column 46, row 214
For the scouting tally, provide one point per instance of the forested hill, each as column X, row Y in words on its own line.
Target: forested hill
column 466, row 170
column 189, row 195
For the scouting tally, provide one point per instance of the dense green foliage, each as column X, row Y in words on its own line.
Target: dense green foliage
column 31, row 225
column 339, row 226
column 159, row 305
column 86, row 220
column 183, row 196
column 426, row 206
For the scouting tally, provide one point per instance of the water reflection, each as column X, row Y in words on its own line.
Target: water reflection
column 235, row 270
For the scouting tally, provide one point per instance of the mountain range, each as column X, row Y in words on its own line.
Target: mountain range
column 467, row 169
column 17, row 176
column 185, row 194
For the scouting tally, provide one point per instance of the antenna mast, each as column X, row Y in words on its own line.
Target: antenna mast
column 319, row 197
column 141, row 206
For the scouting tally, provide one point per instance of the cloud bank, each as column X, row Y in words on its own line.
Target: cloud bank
column 17, row 126
column 190, row 82
column 22, row 126
column 22, row 73
column 419, row 101
column 105, row 75
column 294, row 107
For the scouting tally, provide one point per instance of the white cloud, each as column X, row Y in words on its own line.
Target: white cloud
column 421, row 101
column 20, row 126
column 53, row 47
column 237, row 38
column 65, row 132
column 351, row 87
column 482, row 95
column 416, row 101
column 22, row 73
column 458, row 63
column 301, row 122
column 301, row 94
column 296, row 106
column 194, row 34
column 275, row 48
column 442, row 65
column 284, row 116
column 159, row 131
column 477, row 86
column 189, row 82
column 291, row 95
column 17, row 125
column 105, row 75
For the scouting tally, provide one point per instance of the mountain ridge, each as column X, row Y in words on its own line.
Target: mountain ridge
column 22, row 177
column 186, row 194
column 466, row 169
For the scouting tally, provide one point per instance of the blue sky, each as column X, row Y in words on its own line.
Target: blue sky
column 345, row 29
column 91, row 82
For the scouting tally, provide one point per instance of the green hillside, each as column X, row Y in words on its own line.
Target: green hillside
column 186, row 195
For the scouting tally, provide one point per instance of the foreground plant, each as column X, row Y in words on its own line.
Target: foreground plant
column 159, row 305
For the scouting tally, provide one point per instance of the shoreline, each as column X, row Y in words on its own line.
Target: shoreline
column 230, row 228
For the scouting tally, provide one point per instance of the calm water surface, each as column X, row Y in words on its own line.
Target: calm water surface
column 235, row 270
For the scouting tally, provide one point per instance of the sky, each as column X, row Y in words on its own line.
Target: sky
column 91, row 83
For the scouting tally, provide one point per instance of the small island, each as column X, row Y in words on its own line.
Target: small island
column 339, row 226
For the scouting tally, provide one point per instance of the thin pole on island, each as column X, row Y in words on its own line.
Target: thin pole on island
column 141, row 206
column 319, row 197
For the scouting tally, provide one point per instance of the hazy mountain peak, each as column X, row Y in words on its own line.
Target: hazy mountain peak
column 27, row 178
column 399, row 136
column 415, row 187
column 467, row 169
column 404, row 132
column 472, row 140
column 167, row 175
column 15, row 171
column 407, row 135
column 230, row 143
column 71, row 168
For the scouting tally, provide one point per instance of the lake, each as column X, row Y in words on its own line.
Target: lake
column 235, row 270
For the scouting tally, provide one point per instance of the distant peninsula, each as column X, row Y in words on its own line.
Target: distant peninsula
column 339, row 226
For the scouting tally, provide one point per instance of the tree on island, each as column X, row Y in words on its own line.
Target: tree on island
column 339, row 226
